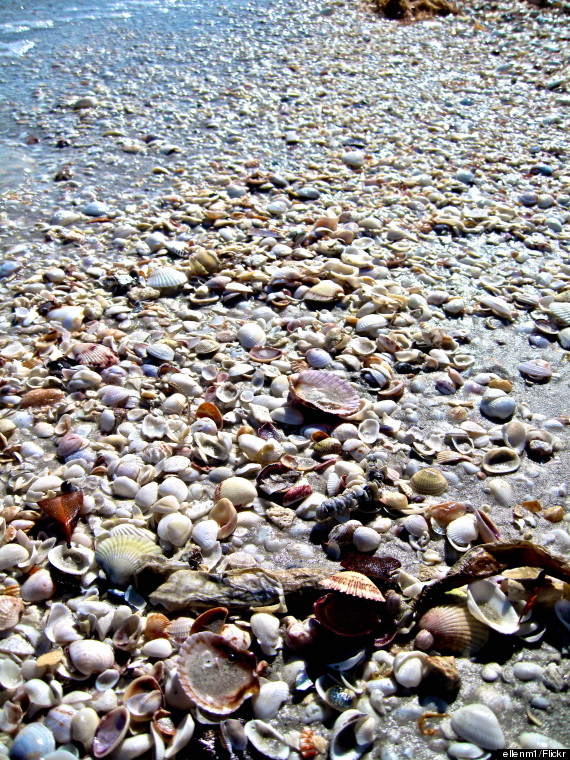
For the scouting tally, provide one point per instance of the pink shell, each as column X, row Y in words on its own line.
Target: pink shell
column 94, row 356
column 325, row 391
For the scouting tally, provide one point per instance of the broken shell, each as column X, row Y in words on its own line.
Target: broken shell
column 478, row 724
column 452, row 628
column 111, row 731
column 502, row 491
column 462, row 532
column 90, row 656
column 353, row 584
column 64, row 509
column 487, row 603
column 272, row 695
column 72, row 561
column 251, row 334
column 226, row 516
column 214, row 674
column 500, row 461
column 239, row 491
column 120, row 556
column 264, row 354
column 350, row 727
column 324, row 391
column 429, row 482
column 269, row 742
column 11, row 610
column 265, row 628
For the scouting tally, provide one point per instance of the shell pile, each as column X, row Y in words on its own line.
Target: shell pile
column 285, row 453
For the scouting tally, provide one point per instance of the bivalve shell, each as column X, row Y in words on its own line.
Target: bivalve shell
column 349, row 727
column 560, row 312
column 111, row 731
column 266, row 740
column 94, row 356
column 325, row 291
column 487, row 603
column 272, row 695
column 239, row 491
column 478, row 724
column 429, row 482
column 33, row 742
column 500, row 461
column 166, row 278
column 353, row 584
column 324, row 391
column 121, row 556
column 452, row 629
column 536, row 370
column 251, row 334
column 91, row 656
column 462, row 532
column 497, row 405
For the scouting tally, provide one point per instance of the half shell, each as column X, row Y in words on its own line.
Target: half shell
column 94, row 356
column 121, row 555
column 453, row 629
column 487, row 603
column 354, row 584
column 429, row 482
column 324, row 391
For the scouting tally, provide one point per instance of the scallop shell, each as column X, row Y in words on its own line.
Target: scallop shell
column 64, row 509
column 94, row 356
column 487, row 603
column 560, row 312
column 325, row 291
column 251, row 334
column 500, row 461
column 453, row 629
column 324, row 391
column 462, row 532
column 239, row 491
column 121, row 556
column 41, row 397
column 214, row 674
column 354, row 584
column 429, row 482
column 166, row 278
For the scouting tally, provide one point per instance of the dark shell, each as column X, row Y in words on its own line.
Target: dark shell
column 64, row 509
column 373, row 567
column 345, row 615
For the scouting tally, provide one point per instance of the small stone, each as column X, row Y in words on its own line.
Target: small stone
column 465, row 176
column 545, row 201
column 528, row 198
column 528, row 671
column 96, row 208
column 88, row 101
column 354, row 159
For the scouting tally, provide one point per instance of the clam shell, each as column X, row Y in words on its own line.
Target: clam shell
column 487, row 603
column 478, row 724
column 214, row 674
column 239, row 491
column 161, row 351
column 453, row 629
column 564, row 338
column 560, row 312
column 266, row 740
column 318, row 358
column 536, row 370
column 497, row 405
column 514, row 435
column 325, row 291
column 33, row 741
column 271, row 696
column 429, row 482
column 41, row 397
column 11, row 610
column 166, row 278
column 111, row 731
column 324, row 391
column 500, row 461
column 354, row 584
column 74, row 560
column 94, row 356
column 121, row 556
column 371, row 324
column 251, row 334
column 346, row 732
column 91, row 656
column 462, row 532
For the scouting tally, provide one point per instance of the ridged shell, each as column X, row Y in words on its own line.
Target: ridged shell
column 251, row 334
column 454, row 629
column 239, row 491
column 156, row 624
column 325, row 291
column 429, row 482
column 536, row 370
column 11, row 609
column 214, row 674
column 94, row 356
column 165, row 278
column 497, row 405
column 564, row 338
column 41, row 397
column 33, row 741
column 462, row 532
column 160, row 351
column 266, row 740
column 120, row 556
column 318, row 358
column 371, row 324
column 560, row 312
column 204, row 262
column 354, row 584
column 324, row 391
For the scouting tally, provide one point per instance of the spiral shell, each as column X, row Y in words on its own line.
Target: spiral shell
column 429, row 482
column 121, row 555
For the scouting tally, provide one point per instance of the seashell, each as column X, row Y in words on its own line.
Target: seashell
column 41, row 397
column 83, row 726
column 318, row 358
column 478, row 724
column 58, row 720
column 185, row 384
column 216, row 675
column 90, row 656
column 264, row 354
column 536, row 370
column 156, row 624
column 327, row 447
column 70, row 444
column 114, row 396
column 12, row 555
column 120, row 556
column 498, row 306
column 205, row 534
column 210, row 411
column 429, row 482
column 488, row 531
column 265, row 628
column 70, row 317
column 166, row 278
column 362, row 346
column 272, row 695
column 111, row 731
column 11, row 610
column 75, row 560
column 10, row 674
column 178, row 630
column 311, row 745
column 560, row 312
column 226, row 516
column 452, row 629
column 344, row 744
column 500, row 461
column 416, row 525
column 564, row 338
column 324, row 391
column 514, row 435
column 251, row 334
column 487, row 603
column 353, row 584
column 371, row 324
column 239, row 491
column 127, row 635
column 266, row 740
column 182, row 736
column 94, row 356
column 325, row 291
column 497, row 405
column 409, row 668
column 212, row 620
column 33, row 742
column 366, row 539
column 461, row 532
column 338, row 697
column 174, row 528
column 64, row 509
column 369, row 430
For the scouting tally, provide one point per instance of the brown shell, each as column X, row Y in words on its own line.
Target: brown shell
column 207, row 409
column 454, row 629
column 216, row 675
column 95, row 356
column 211, row 620
column 324, row 391
column 446, row 511
column 346, row 615
column 429, row 482
column 64, row 509
column 372, row 567
column 156, row 625
column 353, row 584
column 41, row 397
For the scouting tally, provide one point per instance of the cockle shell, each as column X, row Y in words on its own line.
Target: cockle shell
column 251, row 334
column 478, row 724
column 371, row 324
column 462, row 531
column 216, row 675
column 325, row 291
column 324, row 391
column 500, row 461
column 536, row 370
column 272, row 695
column 33, row 742
column 354, row 584
column 121, row 556
column 41, row 397
column 452, row 628
column 166, row 278
column 94, row 356
column 560, row 312
column 487, row 603
column 91, row 656
column 11, row 610
column 429, row 482
column 497, row 405
column 239, row 491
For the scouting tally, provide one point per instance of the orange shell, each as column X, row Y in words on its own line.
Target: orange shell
column 41, row 397
column 353, row 584
column 216, row 675
column 156, row 624
column 207, row 409
column 211, row 620
column 63, row 508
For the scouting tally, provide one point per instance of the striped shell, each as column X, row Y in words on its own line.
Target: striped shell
column 325, row 291
column 560, row 312
column 454, row 629
column 120, row 556
column 371, row 324
column 11, row 610
column 165, row 278
column 324, row 391
column 429, row 482
column 251, row 334
column 161, row 351
column 94, row 356
column 353, row 584
column 536, row 370
column 216, row 675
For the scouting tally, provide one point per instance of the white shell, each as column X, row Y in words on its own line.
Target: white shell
column 350, row 726
column 514, row 435
column 365, row 539
column 267, row 740
column 12, row 555
column 497, row 405
column 58, row 720
column 265, row 628
column 478, row 724
column 183, row 735
column 205, row 534
column 409, row 668
column 69, row 317
column 239, row 491
column 185, row 384
column 369, row 430
column 462, row 531
column 371, row 324
column 251, row 334
column 91, row 656
column 271, row 696
column 502, row 491
column 487, row 603
column 120, row 555
column 39, row 693
column 164, row 278
column 532, row 740
column 175, row 529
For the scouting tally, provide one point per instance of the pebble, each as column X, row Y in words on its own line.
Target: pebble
column 96, row 208
column 354, row 159
column 528, row 671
